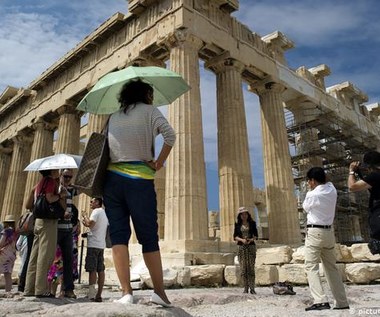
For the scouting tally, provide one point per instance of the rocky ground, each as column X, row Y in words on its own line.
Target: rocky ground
column 203, row 302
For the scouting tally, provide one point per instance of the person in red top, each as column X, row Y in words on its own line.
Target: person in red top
column 45, row 236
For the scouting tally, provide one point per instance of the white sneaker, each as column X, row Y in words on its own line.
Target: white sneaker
column 155, row 299
column 126, row 299
column 91, row 292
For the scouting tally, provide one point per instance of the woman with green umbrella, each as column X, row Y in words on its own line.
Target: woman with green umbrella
column 129, row 187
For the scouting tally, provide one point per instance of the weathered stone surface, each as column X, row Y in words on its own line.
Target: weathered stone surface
column 361, row 253
column 204, row 302
column 232, row 274
column 276, row 255
column 343, row 254
column 362, row 273
column 184, row 276
column 170, row 278
column 298, row 255
column 206, row 275
column 266, row 274
column 294, row 273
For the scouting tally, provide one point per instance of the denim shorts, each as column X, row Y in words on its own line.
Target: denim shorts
column 127, row 198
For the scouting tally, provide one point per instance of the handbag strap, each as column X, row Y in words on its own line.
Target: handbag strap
column 105, row 128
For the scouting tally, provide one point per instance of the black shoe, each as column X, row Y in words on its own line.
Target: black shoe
column 46, row 295
column 252, row 291
column 320, row 306
column 70, row 294
column 345, row 307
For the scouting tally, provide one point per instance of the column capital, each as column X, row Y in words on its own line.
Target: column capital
column 267, row 86
column 145, row 59
column 182, row 37
column 224, row 61
column 22, row 139
column 41, row 124
column 67, row 107
column 5, row 150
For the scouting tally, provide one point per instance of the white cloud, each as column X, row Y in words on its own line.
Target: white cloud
column 35, row 35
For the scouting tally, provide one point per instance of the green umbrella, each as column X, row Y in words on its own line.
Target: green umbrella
column 103, row 97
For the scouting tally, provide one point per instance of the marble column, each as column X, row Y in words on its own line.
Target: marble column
column 159, row 185
column 5, row 163
column 14, row 191
column 186, row 194
column 235, row 177
column 42, row 146
column 68, row 130
column 281, row 202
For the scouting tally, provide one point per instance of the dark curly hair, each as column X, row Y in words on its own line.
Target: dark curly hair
column 46, row 172
column 239, row 221
column 134, row 92
column 372, row 159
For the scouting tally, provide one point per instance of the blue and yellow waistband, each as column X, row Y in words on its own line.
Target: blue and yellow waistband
column 135, row 169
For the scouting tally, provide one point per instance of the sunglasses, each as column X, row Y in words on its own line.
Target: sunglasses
column 67, row 176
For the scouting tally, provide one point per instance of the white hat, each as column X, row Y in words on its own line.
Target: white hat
column 242, row 210
column 9, row 218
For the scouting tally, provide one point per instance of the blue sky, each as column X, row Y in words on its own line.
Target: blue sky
column 344, row 34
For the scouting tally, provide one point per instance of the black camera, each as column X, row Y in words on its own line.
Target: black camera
column 362, row 170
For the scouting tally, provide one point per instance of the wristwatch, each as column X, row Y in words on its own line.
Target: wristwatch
column 351, row 173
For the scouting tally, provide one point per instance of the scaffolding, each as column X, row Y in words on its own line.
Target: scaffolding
column 319, row 137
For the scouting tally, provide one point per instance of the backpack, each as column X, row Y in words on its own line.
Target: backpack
column 283, row 288
column 25, row 225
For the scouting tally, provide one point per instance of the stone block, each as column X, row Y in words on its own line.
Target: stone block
column 266, row 274
column 298, row 255
column 232, row 274
column 184, row 277
column 275, row 255
column 361, row 253
column 207, row 275
column 294, row 273
column 343, row 254
column 110, row 276
column 170, row 278
column 362, row 273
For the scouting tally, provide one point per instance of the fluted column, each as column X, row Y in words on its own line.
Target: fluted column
column 235, row 177
column 14, row 192
column 186, row 197
column 281, row 202
column 68, row 130
column 307, row 143
column 42, row 146
column 159, row 185
column 5, row 163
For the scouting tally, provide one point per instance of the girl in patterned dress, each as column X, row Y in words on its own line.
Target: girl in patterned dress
column 245, row 234
column 8, row 251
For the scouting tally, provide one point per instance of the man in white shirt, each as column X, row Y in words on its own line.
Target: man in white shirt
column 96, row 242
column 319, row 205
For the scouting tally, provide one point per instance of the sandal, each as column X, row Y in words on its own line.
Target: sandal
column 46, row 295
